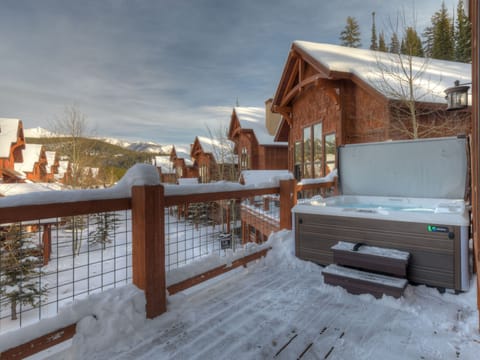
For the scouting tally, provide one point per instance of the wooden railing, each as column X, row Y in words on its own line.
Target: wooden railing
column 147, row 204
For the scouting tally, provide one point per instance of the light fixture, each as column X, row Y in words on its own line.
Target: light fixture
column 457, row 96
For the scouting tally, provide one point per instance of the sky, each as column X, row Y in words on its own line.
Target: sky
column 165, row 70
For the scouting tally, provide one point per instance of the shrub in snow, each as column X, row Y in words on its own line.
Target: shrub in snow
column 20, row 270
column 105, row 225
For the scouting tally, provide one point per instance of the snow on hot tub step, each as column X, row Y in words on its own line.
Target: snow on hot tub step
column 382, row 260
column 363, row 282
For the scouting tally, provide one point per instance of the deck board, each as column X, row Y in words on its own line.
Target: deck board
column 240, row 315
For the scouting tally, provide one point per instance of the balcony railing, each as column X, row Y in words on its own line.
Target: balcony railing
column 84, row 242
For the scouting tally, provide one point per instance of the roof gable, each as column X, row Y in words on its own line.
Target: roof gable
column 31, row 154
column 10, row 131
column 253, row 118
column 363, row 67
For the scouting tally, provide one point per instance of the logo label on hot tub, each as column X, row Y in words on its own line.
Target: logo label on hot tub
column 434, row 228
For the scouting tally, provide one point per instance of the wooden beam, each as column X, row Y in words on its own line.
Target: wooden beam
column 287, row 200
column 39, row 344
column 175, row 288
column 148, row 246
column 171, row 200
column 52, row 210
column 474, row 14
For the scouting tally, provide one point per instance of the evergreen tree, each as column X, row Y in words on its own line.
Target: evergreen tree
column 350, row 36
column 373, row 41
column 463, row 40
column 394, row 44
column 382, row 46
column 20, row 269
column 443, row 39
column 105, row 225
column 428, row 42
column 411, row 43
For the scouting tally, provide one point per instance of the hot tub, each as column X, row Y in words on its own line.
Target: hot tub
column 382, row 205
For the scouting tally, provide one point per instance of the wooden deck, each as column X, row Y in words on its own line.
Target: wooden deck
column 246, row 316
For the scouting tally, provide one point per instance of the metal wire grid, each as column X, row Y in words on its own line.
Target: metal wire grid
column 81, row 263
column 261, row 216
column 196, row 230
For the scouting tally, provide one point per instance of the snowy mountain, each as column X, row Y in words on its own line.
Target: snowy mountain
column 140, row 146
column 39, row 132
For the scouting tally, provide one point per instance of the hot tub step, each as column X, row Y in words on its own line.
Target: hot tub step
column 363, row 282
column 382, row 260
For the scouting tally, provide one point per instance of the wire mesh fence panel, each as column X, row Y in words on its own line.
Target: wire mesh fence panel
column 196, row 230
column 260, row 216
column 50, row 263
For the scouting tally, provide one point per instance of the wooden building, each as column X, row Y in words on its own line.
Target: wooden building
column 331, row 95
column 182, row 164
column 52, row 165
column 253, row 131
column 12, row 142
column 165, row 168
column 214, row 159
column 34, row 164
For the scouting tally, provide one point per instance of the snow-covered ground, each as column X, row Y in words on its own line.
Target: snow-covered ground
column 278, row 307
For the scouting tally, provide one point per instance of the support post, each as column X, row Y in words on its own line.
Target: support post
column 148, row 246
column 474, row 9
column 288, row 198
column 47, row 243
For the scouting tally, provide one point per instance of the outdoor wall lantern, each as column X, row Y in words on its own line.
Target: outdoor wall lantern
column 457, row 96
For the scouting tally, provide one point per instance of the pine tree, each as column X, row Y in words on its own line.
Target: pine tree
column 105, row 225
column 463, row 40
column 350, row 36
column 411, row 43
column 394, row 44
column 382, row 46
column 373, row 41
column 443, row 39
column 428, row 42
column 20, row 269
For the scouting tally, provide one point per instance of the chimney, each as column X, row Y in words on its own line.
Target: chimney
column 271, row 119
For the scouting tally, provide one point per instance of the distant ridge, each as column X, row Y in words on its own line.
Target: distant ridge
column 139, row 146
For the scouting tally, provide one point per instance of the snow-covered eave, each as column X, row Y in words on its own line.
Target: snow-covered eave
column 356, row 67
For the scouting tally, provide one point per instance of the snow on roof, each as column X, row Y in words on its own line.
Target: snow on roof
column 185, row 156
column 163, row 162
column 222, row 150
column 254, row 118
column 50, row 155
column 31, row 155
column 8, row 135
column 187, row 181
column 263, row 177
column 434, row 76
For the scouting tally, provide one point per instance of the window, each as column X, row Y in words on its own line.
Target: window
column 317, row 144
column 330, row 152
column 307, row 153
column 244, row 159
column 318, row 156
column 203, row 173
column 297, row 160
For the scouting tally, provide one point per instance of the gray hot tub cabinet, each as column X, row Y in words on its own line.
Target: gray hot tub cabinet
column 431, row 168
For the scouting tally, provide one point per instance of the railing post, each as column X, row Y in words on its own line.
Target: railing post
column 148, row 246
column 288, row 198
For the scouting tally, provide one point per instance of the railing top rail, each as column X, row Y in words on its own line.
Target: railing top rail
column 11, row 214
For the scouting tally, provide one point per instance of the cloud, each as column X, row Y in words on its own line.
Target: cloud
column 158, row 70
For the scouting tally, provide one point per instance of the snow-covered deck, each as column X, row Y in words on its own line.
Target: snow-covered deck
column 280, row 308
